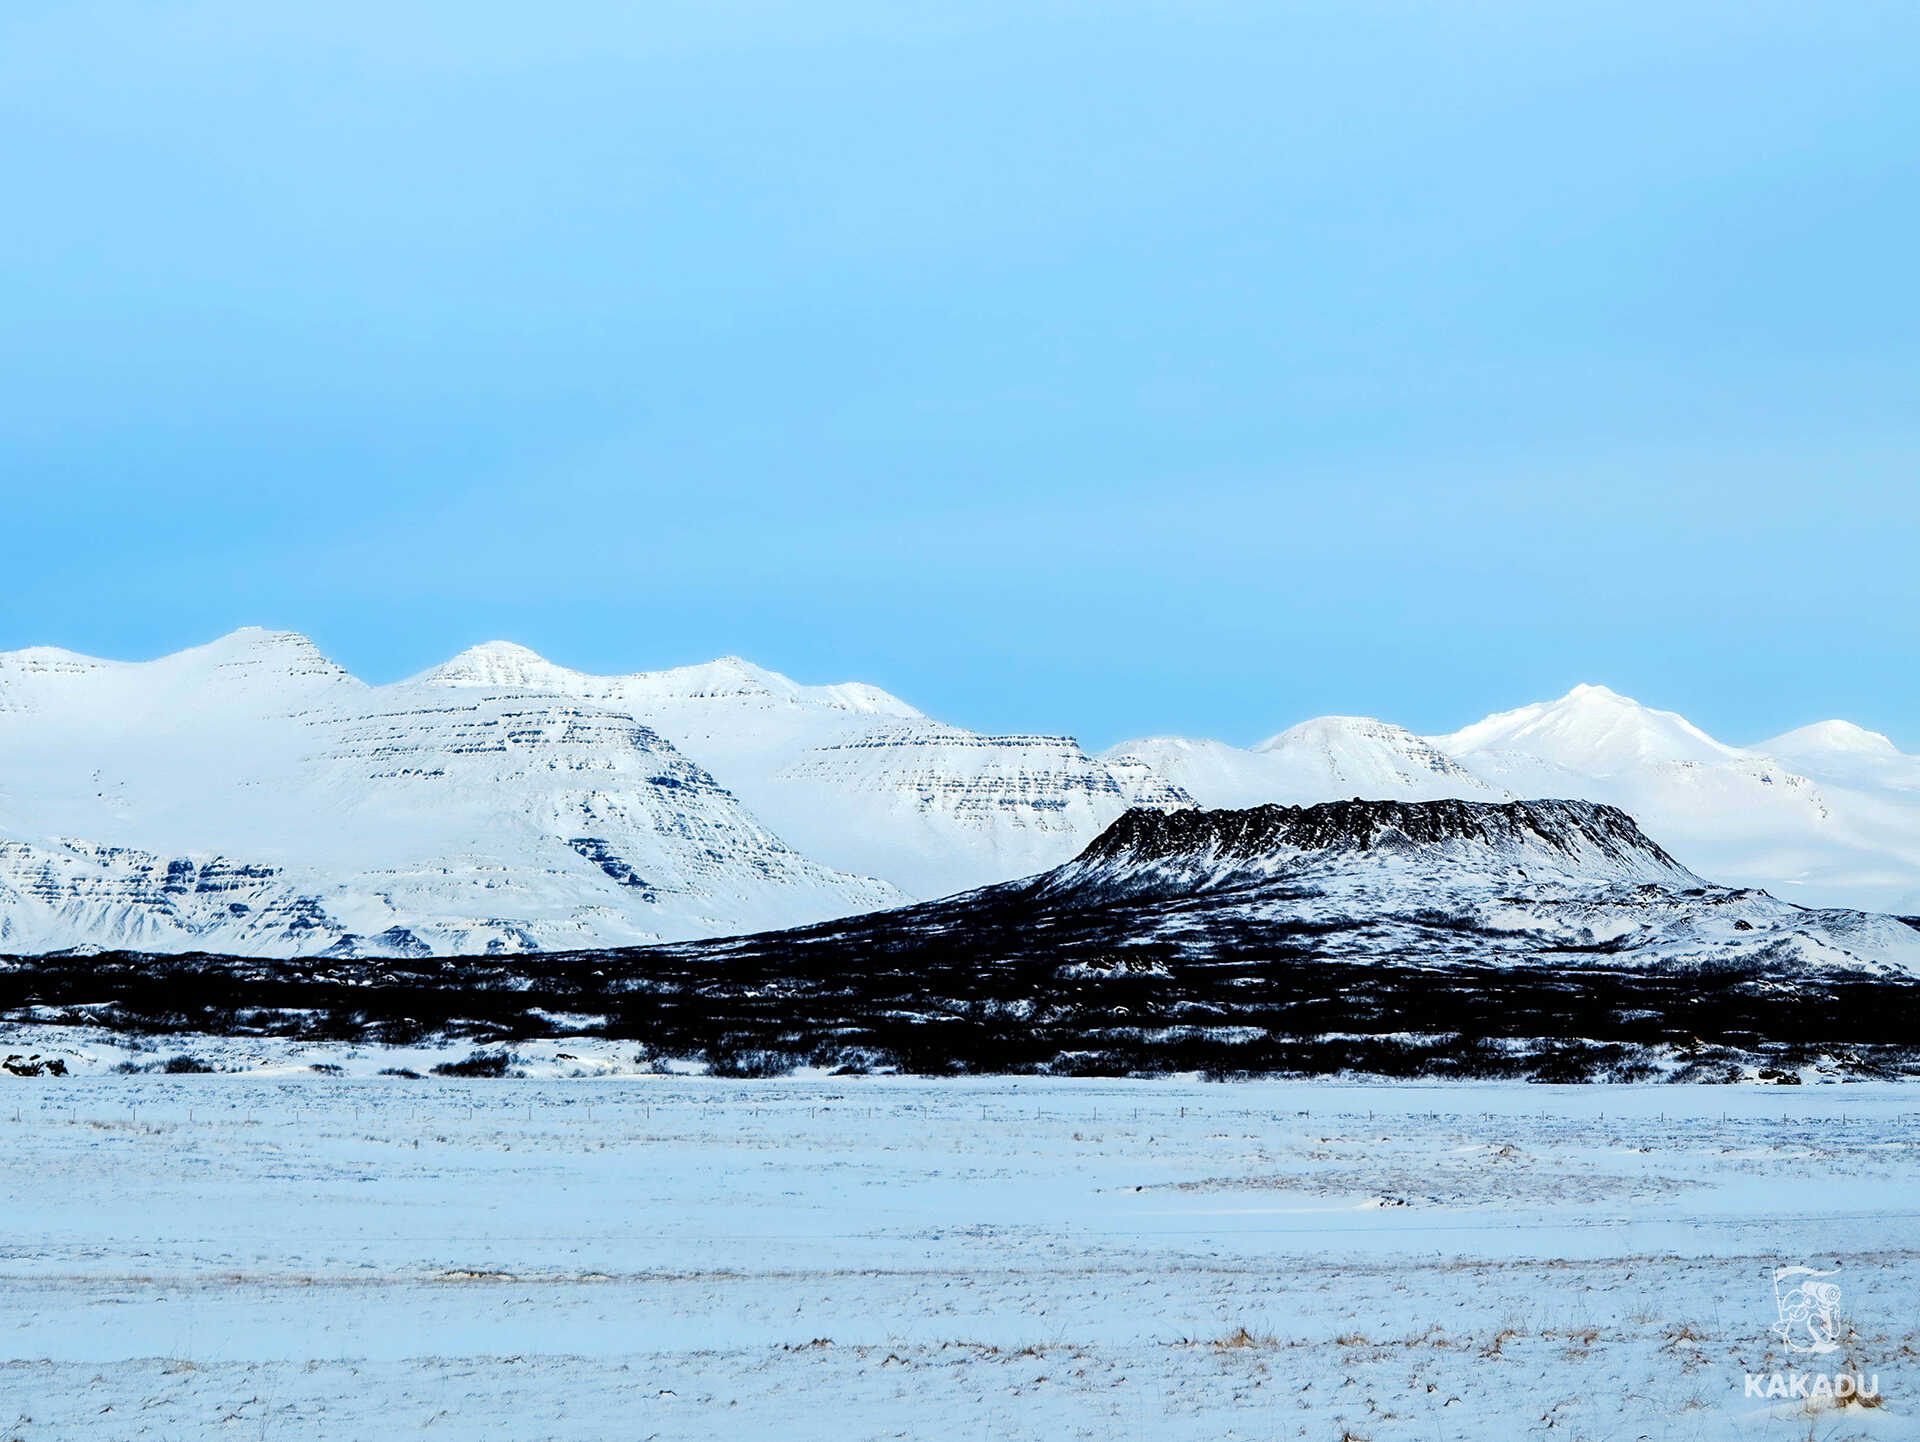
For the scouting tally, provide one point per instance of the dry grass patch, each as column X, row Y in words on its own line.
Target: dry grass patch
column 1240, row 1338
column 1499, row 1342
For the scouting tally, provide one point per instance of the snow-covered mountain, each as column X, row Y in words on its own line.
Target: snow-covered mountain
column 1828, row 815
column 1736, row 814
column 1320, row 760
column 1843, row 751
column 852, row 776
column 250, row 796
column 1481, row 881
column 1251, row 905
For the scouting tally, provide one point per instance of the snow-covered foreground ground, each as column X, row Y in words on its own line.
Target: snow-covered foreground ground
column 237, row 1257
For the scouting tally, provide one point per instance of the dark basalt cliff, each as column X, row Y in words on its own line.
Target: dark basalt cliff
column 1572, row 829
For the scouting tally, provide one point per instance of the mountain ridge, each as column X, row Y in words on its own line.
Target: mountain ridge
column 496, row 802
column 502, row 799
column 1824, row 823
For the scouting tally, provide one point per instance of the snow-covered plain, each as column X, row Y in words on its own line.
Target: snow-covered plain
column 303, row 1257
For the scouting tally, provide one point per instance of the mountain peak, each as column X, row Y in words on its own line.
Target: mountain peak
column 1335, row 729
column 1591, row 728
column 723, row 676
column 247, row 673
column 735, row 677
column 1830, row 737
column 505, row 651
column 1316, row 760
column 724, row 679
column 1376, row 758
column 267, row 636
column 495, row 663
column 255, row 652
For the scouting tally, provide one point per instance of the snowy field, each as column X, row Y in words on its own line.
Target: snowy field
column 307, row 1257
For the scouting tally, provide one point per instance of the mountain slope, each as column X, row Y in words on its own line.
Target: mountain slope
column 853, row 776
column 497, row 802
column 1737, row 813
column 390, row 819
column 1491, row 883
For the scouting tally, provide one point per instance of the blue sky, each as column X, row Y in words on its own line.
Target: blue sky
column 1116, row 369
